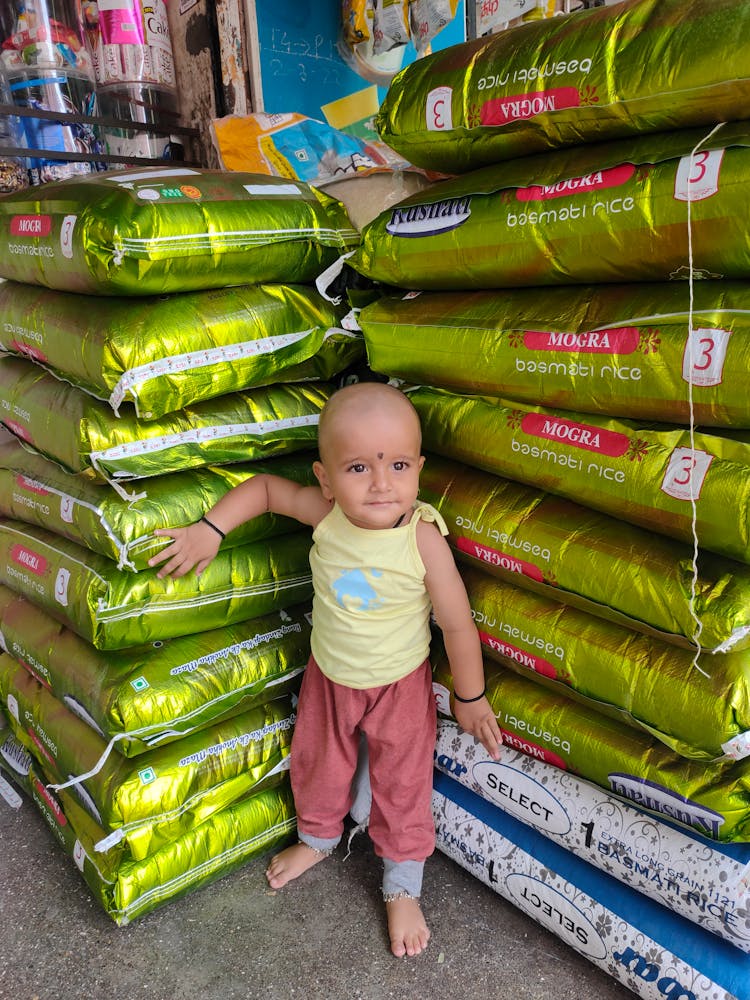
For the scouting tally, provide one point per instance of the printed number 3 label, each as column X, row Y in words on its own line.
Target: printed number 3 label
column 439, row 109
column 704, row 356
column 61, row 586
column 686, row 473
column 66, row 235
column 697, row 176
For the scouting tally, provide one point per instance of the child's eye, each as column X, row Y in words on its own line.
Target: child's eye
column 400, row 466
column 357, row 467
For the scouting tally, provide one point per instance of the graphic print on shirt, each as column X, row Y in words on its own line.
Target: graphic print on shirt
column 353, row 590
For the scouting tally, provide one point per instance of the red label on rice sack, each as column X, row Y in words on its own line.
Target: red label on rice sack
column 500, row 559
column 30, row 225
column 529, row 105
column 598, row 181
column 650, row 477
column 579, row 435
column 649, row 350
column 510, row 652
column 532, row 749
column 645, row 209
column 624, row 341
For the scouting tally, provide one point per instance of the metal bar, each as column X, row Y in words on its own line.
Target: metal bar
column 66, row 117
column 54, row 154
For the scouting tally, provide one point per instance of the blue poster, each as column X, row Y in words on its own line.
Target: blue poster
column 300, row 66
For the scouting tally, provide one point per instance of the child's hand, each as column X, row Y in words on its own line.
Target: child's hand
column 194, row 546
column 477, row 718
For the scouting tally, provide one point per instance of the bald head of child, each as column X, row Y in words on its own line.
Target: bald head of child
column 359, row 410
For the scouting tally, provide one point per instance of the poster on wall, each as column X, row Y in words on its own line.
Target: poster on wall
column 297, row 63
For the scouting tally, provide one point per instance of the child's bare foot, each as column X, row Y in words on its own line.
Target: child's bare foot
column 407, row 928
column 291, row 863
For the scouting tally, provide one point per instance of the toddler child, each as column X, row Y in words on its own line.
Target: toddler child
column 379, row 563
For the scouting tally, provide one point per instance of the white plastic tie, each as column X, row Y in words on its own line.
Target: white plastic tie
column 327, row 277
column 95, row 769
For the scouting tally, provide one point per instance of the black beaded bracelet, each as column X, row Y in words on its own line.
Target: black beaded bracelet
column 212, row 525
column 468, row 701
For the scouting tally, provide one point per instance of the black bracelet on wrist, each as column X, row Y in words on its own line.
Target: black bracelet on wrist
column 468, row 701
column 212, row 525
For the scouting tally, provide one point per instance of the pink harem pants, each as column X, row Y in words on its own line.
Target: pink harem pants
column 400, row 723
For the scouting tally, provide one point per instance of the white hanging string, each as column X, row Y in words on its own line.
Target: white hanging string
column 696, row 637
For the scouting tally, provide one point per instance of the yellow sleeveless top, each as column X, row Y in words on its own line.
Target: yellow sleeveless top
column 371, row 611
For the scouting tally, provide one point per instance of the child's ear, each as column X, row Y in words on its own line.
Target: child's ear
column 320, row 474
column 421, row 462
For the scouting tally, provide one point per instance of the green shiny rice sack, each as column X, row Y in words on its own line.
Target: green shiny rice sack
column 633, row 471
column 700, row 710
column 611, row 213
column 710, row 797
column 114, row 609
column 148, row 696
column 81, row 433
column 169, row 229
column 651, row 66
column 126, row 889
column 635, row 351
column 90, row 513
column 566, row 552
column 144, row 804
column 163, row 353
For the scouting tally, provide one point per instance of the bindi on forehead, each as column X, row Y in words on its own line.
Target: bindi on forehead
column 380, row 454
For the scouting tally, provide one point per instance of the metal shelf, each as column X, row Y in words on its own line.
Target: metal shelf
column 69, row 118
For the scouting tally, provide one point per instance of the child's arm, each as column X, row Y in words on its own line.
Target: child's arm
column 197, row 544
column 453, row 614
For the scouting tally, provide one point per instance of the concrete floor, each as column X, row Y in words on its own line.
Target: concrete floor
column 321, row 939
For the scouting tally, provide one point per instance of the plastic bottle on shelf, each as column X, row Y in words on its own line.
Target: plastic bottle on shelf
column 48, row 68
column 134, row 69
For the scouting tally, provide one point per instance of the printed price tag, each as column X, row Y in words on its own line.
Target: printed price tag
column 61, row 586
column 738, row 747
column 685, row 473
column 11, row 796
column 697, row 176
column 442, row 699
column 743, row 882
column 490, row 13
column 12, row 706
column 66, row 235
column 66, row 508
column 439, row 110
column 704, row 356
column 79, row 855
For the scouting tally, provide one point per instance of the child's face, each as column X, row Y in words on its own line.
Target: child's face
column 371, row 467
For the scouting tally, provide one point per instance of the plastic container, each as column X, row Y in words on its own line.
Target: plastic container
column 47, row 67
column 145, row 104
column 55, row 90
column 130, row 43
column 43, row 35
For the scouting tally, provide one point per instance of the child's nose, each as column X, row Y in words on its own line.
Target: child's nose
column 380, row 478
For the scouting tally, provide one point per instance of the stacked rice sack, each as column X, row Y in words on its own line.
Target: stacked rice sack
column 176, row 348
column 560, row 372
